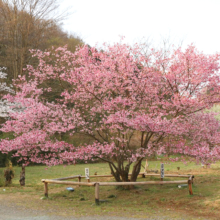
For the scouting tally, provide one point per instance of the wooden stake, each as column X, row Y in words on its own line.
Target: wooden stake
column 190, row 186
column 79, row 178
column 45, row 189
column 162, row 172
column 22, row 176
column 192, row 178
column 97, row 193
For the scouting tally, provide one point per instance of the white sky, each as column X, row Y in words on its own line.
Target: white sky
column 190, row 21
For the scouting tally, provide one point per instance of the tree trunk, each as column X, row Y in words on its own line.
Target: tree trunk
column 136, row 170
column 120, row 172
column 22, row 176
column 115, row 173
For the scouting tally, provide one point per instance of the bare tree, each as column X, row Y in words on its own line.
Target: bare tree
column 24, row 24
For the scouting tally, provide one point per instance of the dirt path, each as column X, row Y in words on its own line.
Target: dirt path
column 17, row 213
column 11, row 211
column 21, row 207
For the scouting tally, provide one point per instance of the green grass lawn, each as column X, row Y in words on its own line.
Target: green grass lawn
column 151, row 200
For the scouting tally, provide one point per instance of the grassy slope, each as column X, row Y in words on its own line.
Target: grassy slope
column 142, row 201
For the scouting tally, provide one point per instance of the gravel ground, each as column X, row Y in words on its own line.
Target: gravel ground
column 12, row 212
column 13, row 208
column 15, row 213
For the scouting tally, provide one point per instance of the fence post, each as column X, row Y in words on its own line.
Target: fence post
column 79, row 179
column 45, row 189
column 161, row 172
column 97, row 193
column 22, row 176
column 190, row 185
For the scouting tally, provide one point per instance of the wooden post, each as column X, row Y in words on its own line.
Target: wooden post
column 45, row 189
column 161, row 172
column 192, row 178
column 190, row 185
column 97, row 193
column 79, row 179
column 22, row 176
column 161, row 179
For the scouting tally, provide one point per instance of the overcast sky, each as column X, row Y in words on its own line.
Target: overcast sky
column 190, row 21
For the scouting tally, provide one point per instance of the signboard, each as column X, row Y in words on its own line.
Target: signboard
column 162, row 170
column 87, row 173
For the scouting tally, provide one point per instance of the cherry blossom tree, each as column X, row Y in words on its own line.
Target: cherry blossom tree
column 116, row 95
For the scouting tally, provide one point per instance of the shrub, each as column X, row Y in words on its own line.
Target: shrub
column 8, row 173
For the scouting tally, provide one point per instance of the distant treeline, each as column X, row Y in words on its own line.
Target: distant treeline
column 26, row 25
